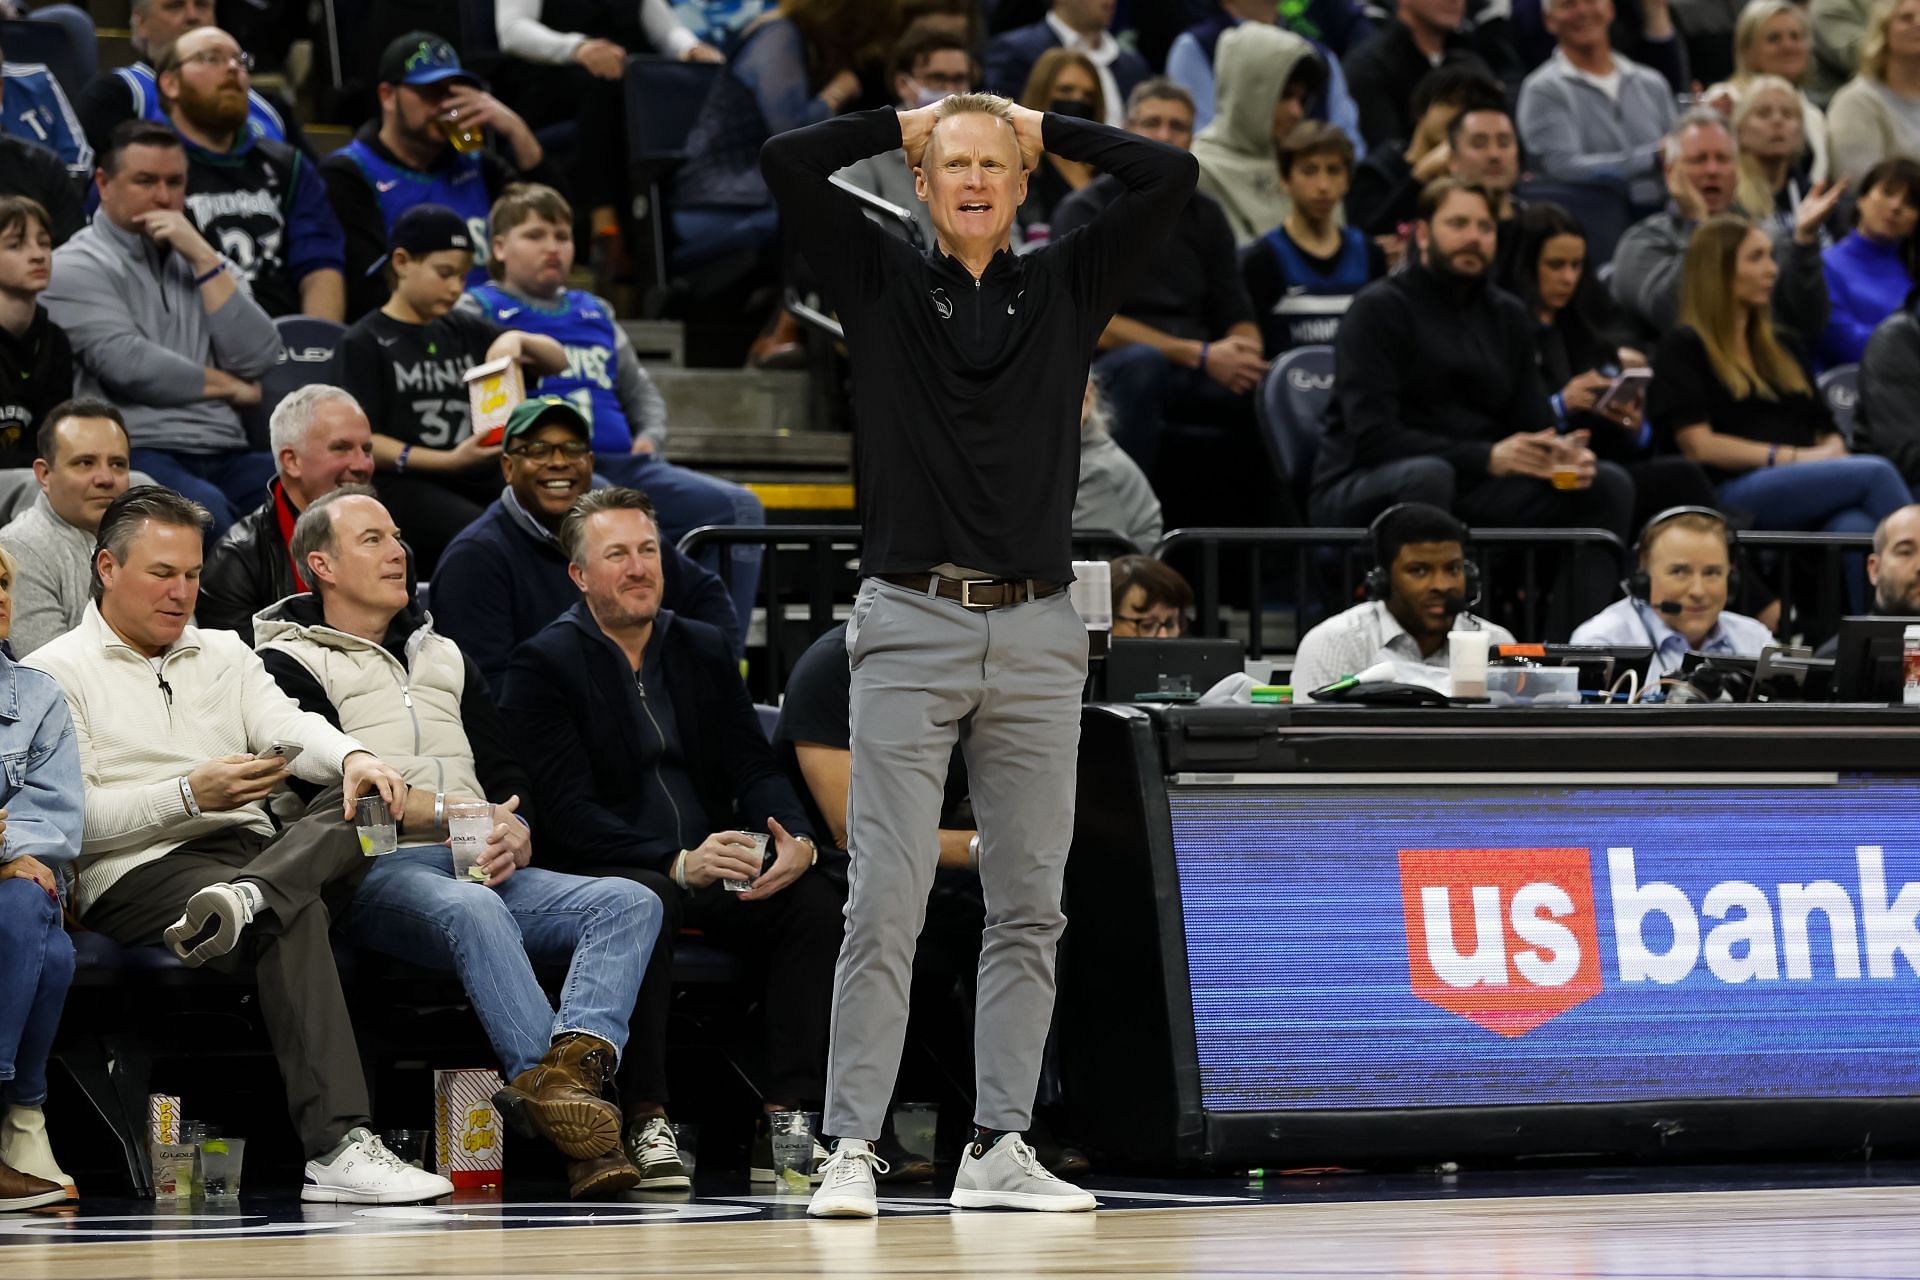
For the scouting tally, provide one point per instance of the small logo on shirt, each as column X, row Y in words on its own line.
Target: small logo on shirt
column 386, row 342
column 942, row 303
column 508, row 313
column 1016, row 298
column 388, row 185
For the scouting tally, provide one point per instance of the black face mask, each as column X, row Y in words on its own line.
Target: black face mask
column 1067, row 107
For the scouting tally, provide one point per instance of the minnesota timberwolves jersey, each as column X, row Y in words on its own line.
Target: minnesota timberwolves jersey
column 240, row 204
column 582, row 326
column 462, row 188
column 1314, row 303
column 262, row 119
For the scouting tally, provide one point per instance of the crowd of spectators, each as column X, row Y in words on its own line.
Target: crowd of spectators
column 1574, row 264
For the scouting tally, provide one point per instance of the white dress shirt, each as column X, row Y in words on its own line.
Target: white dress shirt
column 1348, row 643
column 1103, row 52
column 1633, row 622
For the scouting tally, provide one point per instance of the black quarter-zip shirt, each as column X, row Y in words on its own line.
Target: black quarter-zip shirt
column 967, row 392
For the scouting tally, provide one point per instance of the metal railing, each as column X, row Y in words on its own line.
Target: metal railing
column 1784, row 559
column 812, row 565
column 1329, row 565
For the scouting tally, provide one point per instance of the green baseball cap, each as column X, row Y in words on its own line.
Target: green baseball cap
column 538, row 411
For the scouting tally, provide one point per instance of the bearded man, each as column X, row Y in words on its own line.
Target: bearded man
column 260, row 202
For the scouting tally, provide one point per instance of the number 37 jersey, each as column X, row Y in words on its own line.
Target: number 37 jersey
column 265, row 208
column 410, row 377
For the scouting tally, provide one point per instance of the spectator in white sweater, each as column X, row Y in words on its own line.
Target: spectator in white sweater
column 82, row 468
column 183, row 735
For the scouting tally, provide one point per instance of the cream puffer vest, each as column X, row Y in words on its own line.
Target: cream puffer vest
column 408, row 716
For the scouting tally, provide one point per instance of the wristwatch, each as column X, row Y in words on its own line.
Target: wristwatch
column 812, row 848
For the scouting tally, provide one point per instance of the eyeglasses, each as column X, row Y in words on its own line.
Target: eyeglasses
column 541, row 450
column 1148, row 626
column 214, row 58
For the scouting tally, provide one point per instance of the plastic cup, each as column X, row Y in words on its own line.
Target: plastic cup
column 463, row 137
column 1467, row 662
column 792, row 1135
column 759, row 839
column 220, row 1160
column 469, row 823
column 687, row 1138
column 1565, row 476
column 914, row 1124
column 409, row 1144
column 374, row 824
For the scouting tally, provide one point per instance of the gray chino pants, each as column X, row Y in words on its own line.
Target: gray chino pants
column 1006, row 683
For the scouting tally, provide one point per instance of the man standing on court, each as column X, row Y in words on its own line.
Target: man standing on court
column 970, row 366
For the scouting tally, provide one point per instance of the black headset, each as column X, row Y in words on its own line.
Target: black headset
column 1639, row 583
column 1379, row 579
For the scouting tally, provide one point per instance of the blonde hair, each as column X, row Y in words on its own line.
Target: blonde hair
column 1753, row 196
column 1707, row 306
column 9, row 569
column 973, row 104
column 1874, row 53
column 1746, row 31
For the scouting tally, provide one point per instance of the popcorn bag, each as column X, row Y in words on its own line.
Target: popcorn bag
column 466, row 1129
column 170, row 1159
column 493, row 389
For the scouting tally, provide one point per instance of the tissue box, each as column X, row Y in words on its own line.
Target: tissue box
column 466, row 1131
column 493, row 389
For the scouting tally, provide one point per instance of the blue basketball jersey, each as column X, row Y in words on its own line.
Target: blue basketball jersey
column 583, row 327
column 463, row 190
column 262, row 119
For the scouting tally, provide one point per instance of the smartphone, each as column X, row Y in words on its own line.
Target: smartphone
column 289, row 751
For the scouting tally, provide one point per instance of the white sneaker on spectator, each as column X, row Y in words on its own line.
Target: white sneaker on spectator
column 362, row 1171
column 210, row 926
column 1008, row 1175
column 847, row 1183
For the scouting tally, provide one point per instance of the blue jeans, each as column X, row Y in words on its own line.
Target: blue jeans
column 1835, row 495
column 228, row 485
column 411, row 908
column 687, row 499
column 39, row 970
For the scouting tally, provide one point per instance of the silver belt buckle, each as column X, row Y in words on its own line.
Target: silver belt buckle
column 966, row 592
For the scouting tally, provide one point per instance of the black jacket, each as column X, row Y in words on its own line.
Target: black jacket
column 248, row 569
column 969, row 390
column 36, row 373
column 1383, row 69
column 28, row 170
column 570, row 697
column 1427, row 366
column 1883, row 418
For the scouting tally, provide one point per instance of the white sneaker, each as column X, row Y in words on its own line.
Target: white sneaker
column 365, row 1172
column 846, row 1182
column 1008, row 1175
column 210, row 926
column 24, row 1146
column 653, row 1150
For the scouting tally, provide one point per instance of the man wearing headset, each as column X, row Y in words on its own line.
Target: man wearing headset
column 1421, row 583
column 1677, row 597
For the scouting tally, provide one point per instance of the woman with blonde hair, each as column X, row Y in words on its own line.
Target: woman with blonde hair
column 1768, row 125
column 1876, row 115
column 1067, row 83
column 1774, row 38
column 1731, row 394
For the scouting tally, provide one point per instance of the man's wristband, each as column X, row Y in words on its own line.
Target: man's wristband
column 1773, row 454
column 1204, row 347
column 973, row 849
column 210, row 273
column 186, row 797
column 680, row 870
column 439, row 810
column 400, row 463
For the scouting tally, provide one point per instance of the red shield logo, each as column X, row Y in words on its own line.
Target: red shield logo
column 1506, row 938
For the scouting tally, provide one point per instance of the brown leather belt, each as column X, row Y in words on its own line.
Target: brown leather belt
column 977, row 593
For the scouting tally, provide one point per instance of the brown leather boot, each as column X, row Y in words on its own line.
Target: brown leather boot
column 603, row 1176
column 24, row 1191
column 562, row 1096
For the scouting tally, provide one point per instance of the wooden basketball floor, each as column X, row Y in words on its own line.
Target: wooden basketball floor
column 1741, row 1223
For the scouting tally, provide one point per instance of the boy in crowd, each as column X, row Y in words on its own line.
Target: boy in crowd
column 1302, row 274
column 406, row 364
column 531, row 227
column 36, row 362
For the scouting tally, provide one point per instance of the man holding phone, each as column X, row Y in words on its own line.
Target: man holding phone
column 171, row 723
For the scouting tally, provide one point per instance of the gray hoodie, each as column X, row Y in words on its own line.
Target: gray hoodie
column 143, row 340
column 1238, row 167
